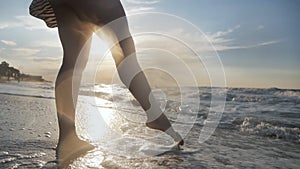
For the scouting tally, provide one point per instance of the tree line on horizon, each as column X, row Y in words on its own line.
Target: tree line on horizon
column 10, row 72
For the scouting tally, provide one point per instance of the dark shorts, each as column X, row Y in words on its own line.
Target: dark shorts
column 42, row 9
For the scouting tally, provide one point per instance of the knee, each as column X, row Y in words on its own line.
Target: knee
column 73, row 64
column 120, row 29
column 66, row 67
column 128, row 69
column 69, row 71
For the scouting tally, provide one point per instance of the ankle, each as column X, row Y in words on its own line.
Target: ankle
column 66, row 126
column 175, row 135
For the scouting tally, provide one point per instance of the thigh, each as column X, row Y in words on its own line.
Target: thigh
column 75, row 35
column 99, row 12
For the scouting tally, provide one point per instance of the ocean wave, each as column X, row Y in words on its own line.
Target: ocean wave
column 288, row 93
column 29, row 95
column 266, row 96
column 252, row 125
column 28, row 89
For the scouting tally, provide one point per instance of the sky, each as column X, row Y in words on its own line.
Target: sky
column 256, row 42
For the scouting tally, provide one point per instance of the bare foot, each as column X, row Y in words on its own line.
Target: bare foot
column 176, row 136
column 162, row 123
column 180, row 142
column 69, row 148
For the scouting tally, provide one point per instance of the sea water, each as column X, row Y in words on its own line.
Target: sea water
column 259, row 128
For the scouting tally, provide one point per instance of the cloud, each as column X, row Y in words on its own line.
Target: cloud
column 24, row 52
column 219, row 37
column 16, row 53
column 9, row 43
column 26, row 21
column 221, row 42
column 31, row 23
column 139, row 9
column 176, row 39
column 259, row 27
column 3, row 25
column 149, row 2
column 224, row 33
column 235, row 47
column 266, row 43
column 47, row 60
column 54, row 44
column 138, row 6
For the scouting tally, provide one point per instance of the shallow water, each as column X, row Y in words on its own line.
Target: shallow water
column 259, row 128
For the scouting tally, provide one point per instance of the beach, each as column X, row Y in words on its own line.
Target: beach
column 28, row 131
column 259, row 129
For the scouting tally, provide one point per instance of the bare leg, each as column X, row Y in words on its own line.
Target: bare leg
column 73, row 34
column 140, row 89
column 134, row 78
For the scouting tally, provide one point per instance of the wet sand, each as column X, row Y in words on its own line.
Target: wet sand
column 28, row 131
column 28, row 136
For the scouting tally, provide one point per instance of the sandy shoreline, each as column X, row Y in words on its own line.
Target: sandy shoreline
column 28, row 134
column 28, row 131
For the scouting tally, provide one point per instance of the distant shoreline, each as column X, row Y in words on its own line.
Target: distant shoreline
column 9, row 73
column 43, row 80
column 28, row 79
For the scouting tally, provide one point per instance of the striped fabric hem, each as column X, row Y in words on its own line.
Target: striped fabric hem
column 42, row 9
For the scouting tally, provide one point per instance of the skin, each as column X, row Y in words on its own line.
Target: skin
column 77, row 20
